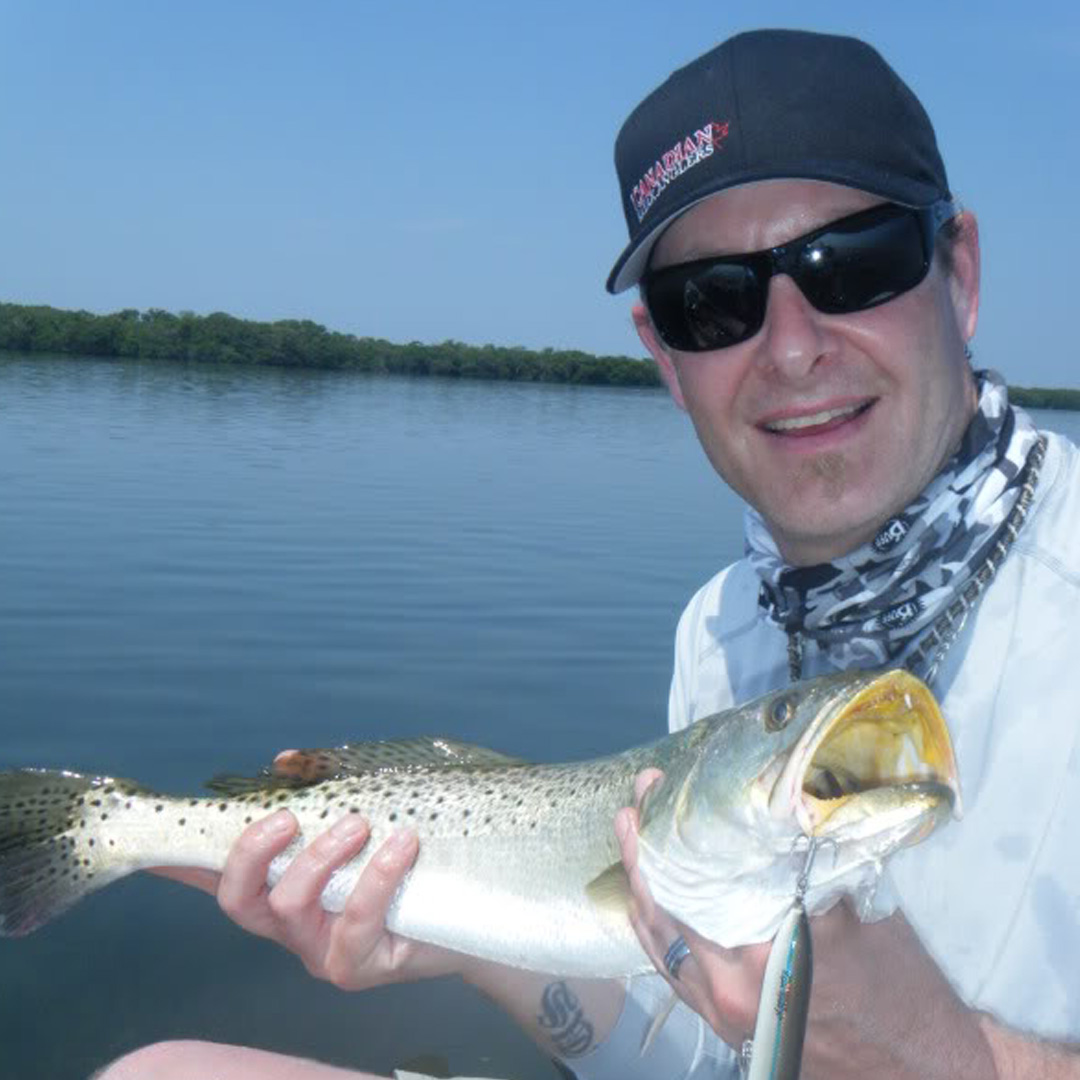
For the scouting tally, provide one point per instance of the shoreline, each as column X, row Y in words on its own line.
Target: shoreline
column 300, row 343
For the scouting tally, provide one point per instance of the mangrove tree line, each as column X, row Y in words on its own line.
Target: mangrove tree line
column 223, row 339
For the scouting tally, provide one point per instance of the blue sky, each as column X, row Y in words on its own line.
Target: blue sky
column 426, row 171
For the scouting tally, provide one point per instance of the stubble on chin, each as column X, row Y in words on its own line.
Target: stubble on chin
column 827, row 470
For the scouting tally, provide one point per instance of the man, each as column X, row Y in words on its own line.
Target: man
column 809, row 290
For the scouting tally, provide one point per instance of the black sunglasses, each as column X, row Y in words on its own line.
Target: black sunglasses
column 849, row 265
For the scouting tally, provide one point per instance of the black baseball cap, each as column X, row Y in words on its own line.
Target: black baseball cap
column 769, row 105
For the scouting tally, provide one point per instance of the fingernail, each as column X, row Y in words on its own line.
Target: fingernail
column 396, row 843
column 349, row 827
column 401, row 838
column 278, row 823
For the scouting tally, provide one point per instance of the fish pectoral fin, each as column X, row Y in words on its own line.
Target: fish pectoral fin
column 303, row 768
column 658, row 1022
column 610, row 890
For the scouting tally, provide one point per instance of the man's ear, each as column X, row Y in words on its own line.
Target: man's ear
column 651, row 340
column 964, row 277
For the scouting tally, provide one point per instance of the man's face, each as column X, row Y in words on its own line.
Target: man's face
column 826, row 424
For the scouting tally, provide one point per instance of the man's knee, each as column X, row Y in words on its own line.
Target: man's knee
column 184, row 1059
column 161, row 1061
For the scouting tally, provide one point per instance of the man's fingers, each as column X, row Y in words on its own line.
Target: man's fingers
column 380, row 880
column 242, row 893
column 360, row 931
column 296, row 897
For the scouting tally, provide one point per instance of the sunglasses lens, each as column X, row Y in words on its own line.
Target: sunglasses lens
column 854, row 264
column 870, row 263
column 697, row 307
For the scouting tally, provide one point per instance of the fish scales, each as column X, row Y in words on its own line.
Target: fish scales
column 518, row 862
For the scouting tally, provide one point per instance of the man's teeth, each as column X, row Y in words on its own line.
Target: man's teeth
column 813, row 419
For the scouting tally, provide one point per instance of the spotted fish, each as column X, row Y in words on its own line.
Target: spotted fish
column 518, row 862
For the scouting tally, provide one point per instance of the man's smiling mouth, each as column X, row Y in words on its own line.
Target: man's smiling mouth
column 811, row 423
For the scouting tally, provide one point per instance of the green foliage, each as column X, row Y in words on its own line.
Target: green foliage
column 221, row 339
column 1035, row 397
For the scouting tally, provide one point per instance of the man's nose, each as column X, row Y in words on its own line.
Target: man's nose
column 792, row 336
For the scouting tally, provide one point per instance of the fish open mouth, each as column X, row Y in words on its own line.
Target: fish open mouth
column 890, row 737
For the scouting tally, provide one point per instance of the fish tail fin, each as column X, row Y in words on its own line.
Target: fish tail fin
column 50, row 852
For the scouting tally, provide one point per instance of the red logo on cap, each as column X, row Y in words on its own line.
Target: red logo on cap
column 684, row 155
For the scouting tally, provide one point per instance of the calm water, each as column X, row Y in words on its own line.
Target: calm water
column 199, row 567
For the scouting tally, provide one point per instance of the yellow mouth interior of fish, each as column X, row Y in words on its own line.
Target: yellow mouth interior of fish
column 892, row 732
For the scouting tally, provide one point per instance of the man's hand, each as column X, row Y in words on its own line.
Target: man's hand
column 353, row 950
column 879, row 1006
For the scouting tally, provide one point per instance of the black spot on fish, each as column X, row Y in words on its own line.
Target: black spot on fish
column 393, row 817
column 182, row 821
column 223, row 806
column 433, row 817
column 324, row 814
column 158, row 808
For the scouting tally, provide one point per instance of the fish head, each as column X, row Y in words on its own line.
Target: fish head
column 860, row 762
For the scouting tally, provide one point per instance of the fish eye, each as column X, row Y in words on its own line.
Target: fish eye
column 780, row 713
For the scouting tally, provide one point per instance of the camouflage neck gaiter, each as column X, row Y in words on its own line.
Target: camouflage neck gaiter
column 869, row 608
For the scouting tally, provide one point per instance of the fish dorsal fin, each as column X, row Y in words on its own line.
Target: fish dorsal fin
column 302, row 768
column 609, row 891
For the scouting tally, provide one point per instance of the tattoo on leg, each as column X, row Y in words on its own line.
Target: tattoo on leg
column 564, row 1020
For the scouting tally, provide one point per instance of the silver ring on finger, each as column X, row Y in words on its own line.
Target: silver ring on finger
column 677, row 952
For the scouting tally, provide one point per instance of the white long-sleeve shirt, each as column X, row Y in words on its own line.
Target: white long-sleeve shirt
column 995, row 897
